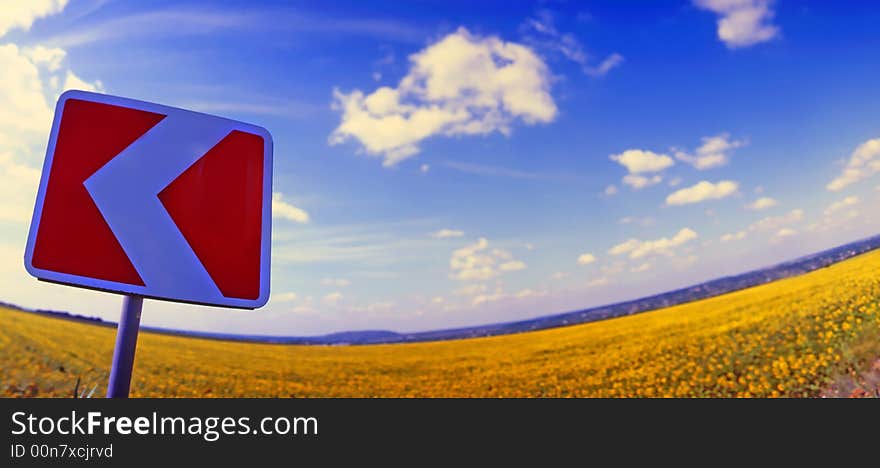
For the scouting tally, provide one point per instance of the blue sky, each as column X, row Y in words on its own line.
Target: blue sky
column 442, row 164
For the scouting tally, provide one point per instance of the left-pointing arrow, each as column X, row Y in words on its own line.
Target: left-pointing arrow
column 126, row 192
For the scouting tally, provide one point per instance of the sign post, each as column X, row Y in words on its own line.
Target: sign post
column 152, row 201
column 126, row 343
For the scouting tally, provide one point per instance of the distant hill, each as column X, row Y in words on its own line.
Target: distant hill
column 679, row 296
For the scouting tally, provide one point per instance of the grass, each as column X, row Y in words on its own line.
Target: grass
column 793, row 338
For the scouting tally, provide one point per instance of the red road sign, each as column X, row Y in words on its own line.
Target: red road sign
column 151, row 200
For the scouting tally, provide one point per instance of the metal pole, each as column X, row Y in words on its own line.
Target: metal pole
column 126, row 342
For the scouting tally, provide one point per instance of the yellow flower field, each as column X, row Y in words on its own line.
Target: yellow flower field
column 787, row 338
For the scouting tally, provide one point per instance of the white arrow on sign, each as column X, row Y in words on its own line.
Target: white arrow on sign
column 126, row 192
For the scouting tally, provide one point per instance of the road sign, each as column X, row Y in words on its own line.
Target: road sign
column 154, row 201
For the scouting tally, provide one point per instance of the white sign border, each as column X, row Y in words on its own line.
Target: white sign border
column 124, row 288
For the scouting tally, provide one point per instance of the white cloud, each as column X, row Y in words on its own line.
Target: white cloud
column 22, row 13
column 641, row 164
column 24, row 108
column 471, row 290
column 839, row 215
column 338, row 282
column 702, row 191
column 775, row 222
column 639, row 182
column 304, row 308
column 586, row 259
column 735, row 236
column 478, row 262
column 284, row 297
column 742, row 23
column 713, row 152
column 514, row 265
column 71, row 81
column 624, row 247
column 610, row 63
column 549, row 38
column 602, row 281
column 543, row 23
column 462, row 85
column 333, row 298
column 863, row 163
column 841, row 204
column 27, row 96
column 424, row 168
column 684, row 263
column 481, row 294
column 284, row 210
column 374, row 307
column 641, row 161
column 498, row 171
column 616, row 267
column 642, row 268
column 446, row 233
column 783, row 233
column 17, row 190
column 610, row 190
column 637, row 248
column 497, row 295
column 527, row 292
column 644, row 222
column 762, row 204
column 51, row 58
column 184, row 19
